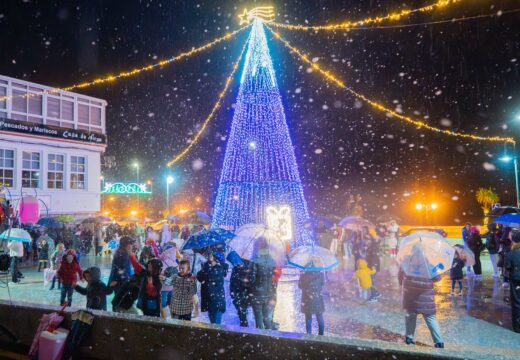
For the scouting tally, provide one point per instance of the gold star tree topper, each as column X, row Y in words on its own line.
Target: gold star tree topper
column 264, row 13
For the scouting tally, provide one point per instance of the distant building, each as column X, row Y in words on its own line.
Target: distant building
column 51, row 143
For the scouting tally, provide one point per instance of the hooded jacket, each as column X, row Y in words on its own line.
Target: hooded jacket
column 363, row 274
column 67, row 271
column 96, row 291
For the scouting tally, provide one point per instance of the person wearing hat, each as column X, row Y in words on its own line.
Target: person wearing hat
column 512, row 265
column 211, row 277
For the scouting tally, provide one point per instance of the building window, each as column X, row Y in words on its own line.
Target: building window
column 6, row 167
column 77, row 172
column 55, row 166
column 31, row 169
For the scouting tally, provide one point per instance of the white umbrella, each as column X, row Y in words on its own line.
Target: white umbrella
column 246, row 240
column 312, row 258
column 16, row 234
column 426, row 256
column 355, row 223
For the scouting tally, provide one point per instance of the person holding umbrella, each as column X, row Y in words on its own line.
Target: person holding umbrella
column 264, row 288
column 240, row 288
column 211, row 277
column 423, row 257
column 311, row 283
column 16, row 254
column 512, row 265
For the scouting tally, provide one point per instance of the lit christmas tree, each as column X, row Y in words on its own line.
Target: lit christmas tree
column 260, row 182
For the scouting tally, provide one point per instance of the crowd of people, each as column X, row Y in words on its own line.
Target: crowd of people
column 150, row 275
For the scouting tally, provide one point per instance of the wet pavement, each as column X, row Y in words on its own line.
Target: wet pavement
column 479, row 320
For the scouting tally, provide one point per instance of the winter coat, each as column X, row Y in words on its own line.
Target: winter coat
column 417, row 295
column 43, row 252
column 96, row 291
column 68, row 272
column 121, row 269
column 169, row 260
column 311, row 283
column 166, row 235
column 149, row 299
column 475, row 243
column 56, row 258
column 15, row 248
column 263, row 271
column 465, row 235
column 184, row 287
column 456, row 272
column 512, row 263
column 364, row 274
column 373, row 249
column 492, row 241
column 240, row 285
column 211, row 277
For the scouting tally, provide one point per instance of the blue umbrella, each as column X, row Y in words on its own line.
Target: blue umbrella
column 207, row 238
column 50, row 223
column 510, row 220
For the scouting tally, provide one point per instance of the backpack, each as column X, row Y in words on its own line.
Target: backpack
column 127, row 295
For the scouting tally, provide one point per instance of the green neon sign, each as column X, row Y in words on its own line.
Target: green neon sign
column 126, row 189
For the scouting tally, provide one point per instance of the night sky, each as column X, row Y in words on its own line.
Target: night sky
column 463, row 76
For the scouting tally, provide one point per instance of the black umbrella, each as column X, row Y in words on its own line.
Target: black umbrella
column 81, row 324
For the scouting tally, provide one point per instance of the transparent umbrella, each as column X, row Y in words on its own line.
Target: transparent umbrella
column 425, row 256
column 246, row 240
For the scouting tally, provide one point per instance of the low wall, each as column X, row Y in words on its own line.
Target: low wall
column 115, row 336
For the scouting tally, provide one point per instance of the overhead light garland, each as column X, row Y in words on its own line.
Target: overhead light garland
column 394, row 16
column 217, row 105
column 438, row 22
column 378, row 106
column 125, row 74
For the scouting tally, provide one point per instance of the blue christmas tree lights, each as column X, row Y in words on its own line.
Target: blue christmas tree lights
column 260, row 169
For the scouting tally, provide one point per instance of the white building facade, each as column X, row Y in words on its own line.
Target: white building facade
column 51, row 144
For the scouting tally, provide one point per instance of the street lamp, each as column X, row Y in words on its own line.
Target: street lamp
column 169, row 180
column 433, row 206
column 419, row 206
column 507, row 158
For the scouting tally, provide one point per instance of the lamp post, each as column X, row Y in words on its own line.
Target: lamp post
column 507, row 158
column 426, row 211
column 169, row 180
column 136, row 165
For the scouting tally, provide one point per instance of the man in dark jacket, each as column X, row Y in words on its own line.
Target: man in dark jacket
column 311, row 283
column 493, row 245
column 418, row 298
column 96, row 291
column 240, row 287
column 513, row 267
column 264, row 289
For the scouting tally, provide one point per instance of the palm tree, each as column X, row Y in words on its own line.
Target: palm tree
column 486, row 198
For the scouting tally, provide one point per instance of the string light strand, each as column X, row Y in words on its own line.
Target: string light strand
column 378, row 106
column 136, row 71
column 438, row 22
column 217, row 106
column 394, row 16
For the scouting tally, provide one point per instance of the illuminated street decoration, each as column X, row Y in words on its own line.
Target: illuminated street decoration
column 265, row 13
column 124, row 189
column 260, row 167
column 279, row 219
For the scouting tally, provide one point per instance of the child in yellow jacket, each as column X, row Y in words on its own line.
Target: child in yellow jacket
column 364, row 276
